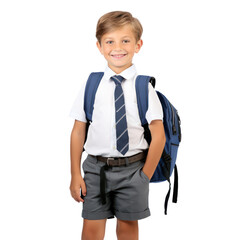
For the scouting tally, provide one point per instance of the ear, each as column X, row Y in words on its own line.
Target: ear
column 138, row 45
column 99, row 47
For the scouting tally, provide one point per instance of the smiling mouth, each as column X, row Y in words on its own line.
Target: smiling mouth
column 118, row 56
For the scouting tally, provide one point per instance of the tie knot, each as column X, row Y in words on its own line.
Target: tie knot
column 117, row 79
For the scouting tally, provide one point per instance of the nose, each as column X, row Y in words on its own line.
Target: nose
column 118, row 46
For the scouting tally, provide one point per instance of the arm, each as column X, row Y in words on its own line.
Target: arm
column 156, row 147
column 76, row 148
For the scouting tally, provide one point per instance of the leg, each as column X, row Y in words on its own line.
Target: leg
column 93, row 229
column 127, row 230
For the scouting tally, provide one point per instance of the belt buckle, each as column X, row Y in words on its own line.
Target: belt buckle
column 109, row 159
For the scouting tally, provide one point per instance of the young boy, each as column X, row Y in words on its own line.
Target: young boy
column 116, row 148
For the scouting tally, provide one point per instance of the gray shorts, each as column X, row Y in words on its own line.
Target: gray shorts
column 127, row 190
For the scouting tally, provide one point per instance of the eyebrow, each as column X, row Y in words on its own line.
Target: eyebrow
column 110, row 38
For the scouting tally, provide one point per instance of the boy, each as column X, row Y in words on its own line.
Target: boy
column 120, row 164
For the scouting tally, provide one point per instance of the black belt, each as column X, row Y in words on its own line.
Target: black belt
column 113, row 162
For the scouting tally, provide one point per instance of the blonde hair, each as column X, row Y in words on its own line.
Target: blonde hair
column 116, row 19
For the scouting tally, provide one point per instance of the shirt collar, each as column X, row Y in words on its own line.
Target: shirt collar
column 127, row 73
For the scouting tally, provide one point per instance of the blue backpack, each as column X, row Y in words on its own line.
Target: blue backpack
column 171, row 122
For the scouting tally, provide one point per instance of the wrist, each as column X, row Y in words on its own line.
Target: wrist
column 147, row 174
column 76, row 174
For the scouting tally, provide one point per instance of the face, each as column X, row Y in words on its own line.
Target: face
column 118, row 47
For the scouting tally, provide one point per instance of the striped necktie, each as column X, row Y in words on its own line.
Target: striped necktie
column 120, row 116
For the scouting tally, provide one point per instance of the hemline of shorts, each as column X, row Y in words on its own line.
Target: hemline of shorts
column 127, row 216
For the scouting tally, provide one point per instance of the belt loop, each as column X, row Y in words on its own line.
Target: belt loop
column 126, row 161
column 109, row 159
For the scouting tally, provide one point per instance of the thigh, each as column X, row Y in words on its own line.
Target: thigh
column 127, row 225
column 131, row 197
column 93, row 209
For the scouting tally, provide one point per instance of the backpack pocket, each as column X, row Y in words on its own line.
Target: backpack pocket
column 173, row 153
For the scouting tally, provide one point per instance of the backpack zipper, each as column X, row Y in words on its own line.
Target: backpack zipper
column 173, row 121
column 179, row 123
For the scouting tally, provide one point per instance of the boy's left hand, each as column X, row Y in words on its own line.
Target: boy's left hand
column 149, row 177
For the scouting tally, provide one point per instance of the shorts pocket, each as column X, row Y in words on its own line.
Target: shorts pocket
column 140, row 177
column 143, row 175
column 83, row 164
column 89, row 166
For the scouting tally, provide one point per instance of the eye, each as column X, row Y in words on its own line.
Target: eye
column 109, row 42
column 126, row 41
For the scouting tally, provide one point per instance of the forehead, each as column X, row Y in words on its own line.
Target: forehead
column 124, row 31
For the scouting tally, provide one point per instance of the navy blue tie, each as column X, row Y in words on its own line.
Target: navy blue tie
column 120, row 113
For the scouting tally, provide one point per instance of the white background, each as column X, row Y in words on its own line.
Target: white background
column 48, row 47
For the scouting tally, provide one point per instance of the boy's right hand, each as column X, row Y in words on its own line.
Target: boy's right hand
column 77, row 183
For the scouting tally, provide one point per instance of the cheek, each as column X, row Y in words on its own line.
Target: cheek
column 106, row 51
column 131, row 49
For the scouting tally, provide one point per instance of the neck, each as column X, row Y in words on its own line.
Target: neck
column 118, row 70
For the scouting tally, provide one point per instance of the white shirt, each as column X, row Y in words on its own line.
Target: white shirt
column 101, row 139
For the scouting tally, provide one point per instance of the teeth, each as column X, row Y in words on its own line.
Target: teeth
column 119, row 55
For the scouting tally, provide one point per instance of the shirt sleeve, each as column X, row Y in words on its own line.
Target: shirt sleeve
column 154, row 111
column 77, row 111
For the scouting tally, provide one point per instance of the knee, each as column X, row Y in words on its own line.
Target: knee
column 92, row 234
column 127, row 230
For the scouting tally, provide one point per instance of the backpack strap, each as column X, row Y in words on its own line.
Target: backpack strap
column 141, row 85
column 175, row 187
column 142, row 95
column 90, row 92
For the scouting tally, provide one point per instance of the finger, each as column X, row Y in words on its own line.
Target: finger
column 76, row 196
column 83, row 189
column 79, row 199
